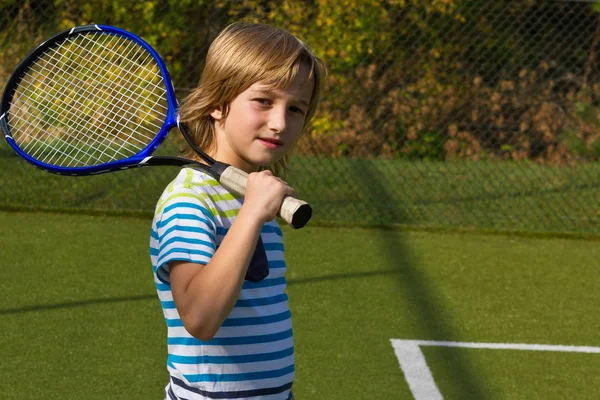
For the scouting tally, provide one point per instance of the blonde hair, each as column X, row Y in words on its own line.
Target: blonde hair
column 243, row 54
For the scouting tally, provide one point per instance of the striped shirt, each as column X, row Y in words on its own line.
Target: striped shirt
column 252, row 354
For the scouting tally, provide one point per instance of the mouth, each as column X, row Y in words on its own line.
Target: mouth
column 270, row 143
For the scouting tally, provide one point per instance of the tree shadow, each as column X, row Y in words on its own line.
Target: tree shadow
column 415, row 289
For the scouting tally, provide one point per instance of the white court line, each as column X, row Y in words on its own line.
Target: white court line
column 418, row 375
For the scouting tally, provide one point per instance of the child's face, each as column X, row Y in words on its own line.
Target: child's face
column 262, row 123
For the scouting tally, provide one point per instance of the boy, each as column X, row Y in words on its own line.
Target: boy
column 229, row 337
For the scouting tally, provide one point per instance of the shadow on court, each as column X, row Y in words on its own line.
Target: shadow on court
column 414, row 289
column 152, row 297
column 75, row 304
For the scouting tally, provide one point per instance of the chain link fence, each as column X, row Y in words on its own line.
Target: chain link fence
column 451, row 113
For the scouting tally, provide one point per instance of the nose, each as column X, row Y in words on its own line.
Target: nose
column 277, row 119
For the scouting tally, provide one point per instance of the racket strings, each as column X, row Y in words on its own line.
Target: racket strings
column 122, row 92
column 90, row 92
column 89, row 100
column 76, row 127
column 76, row 120
column 112, row 124
column 127, row 89
column 93, row 139
column 148, row 83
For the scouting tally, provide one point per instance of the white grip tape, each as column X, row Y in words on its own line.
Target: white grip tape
column 236, row 180
column 289, row 206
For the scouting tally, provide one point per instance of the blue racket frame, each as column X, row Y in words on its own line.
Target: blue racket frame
column 141, row 158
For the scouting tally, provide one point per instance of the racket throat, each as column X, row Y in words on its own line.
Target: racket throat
column 216, row 170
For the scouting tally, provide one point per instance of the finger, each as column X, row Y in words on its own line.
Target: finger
column 282, row 181
column 290, row 191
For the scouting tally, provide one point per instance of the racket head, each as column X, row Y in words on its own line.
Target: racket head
column 88, row 100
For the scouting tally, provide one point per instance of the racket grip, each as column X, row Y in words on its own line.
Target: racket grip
column 293, row 211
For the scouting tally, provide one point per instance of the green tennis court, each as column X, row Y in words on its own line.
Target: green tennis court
column 80, row 318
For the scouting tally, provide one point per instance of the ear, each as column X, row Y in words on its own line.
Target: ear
column 217, row 113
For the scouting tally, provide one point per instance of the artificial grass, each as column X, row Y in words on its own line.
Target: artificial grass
column 82, row 321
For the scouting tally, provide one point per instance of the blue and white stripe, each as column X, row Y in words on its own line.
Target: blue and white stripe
column 252, row 354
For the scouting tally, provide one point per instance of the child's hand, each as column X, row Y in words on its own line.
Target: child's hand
column 264, row 194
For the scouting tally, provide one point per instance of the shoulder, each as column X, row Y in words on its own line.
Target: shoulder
column 199, row 192
column 189, row 183
column 189, row 186
column 189, row 192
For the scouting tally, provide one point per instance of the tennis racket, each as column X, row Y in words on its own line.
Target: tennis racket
column 97, row 99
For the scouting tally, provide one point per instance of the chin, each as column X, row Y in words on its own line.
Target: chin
column 266, row 161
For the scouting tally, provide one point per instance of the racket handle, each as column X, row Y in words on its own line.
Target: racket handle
column 293, row 211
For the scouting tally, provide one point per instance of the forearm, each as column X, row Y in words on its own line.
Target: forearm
column 213, row 291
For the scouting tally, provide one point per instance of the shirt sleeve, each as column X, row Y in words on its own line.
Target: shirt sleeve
column 185, row 230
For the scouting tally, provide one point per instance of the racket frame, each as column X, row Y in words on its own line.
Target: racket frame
column 143, row 157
